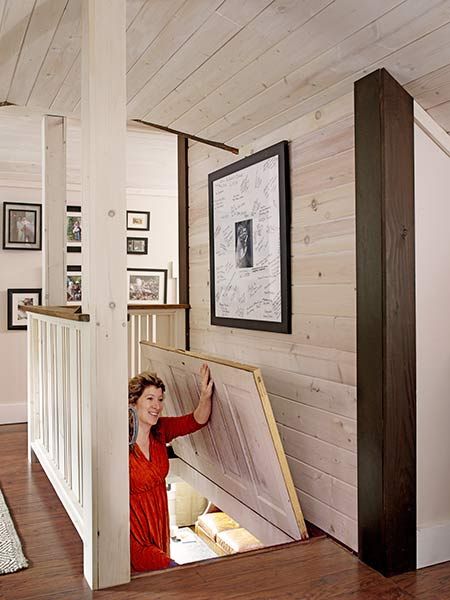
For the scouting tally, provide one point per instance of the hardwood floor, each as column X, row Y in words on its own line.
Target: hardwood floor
column 316, row 570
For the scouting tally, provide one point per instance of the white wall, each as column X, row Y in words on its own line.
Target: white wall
column 151, row 186
column 432, row 208
column 310, row 374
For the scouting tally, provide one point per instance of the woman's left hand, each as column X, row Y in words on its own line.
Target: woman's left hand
column 203, row 410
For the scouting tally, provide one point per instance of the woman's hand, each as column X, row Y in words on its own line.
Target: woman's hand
column 203, row 410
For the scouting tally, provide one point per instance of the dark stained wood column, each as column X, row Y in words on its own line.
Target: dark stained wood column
column 386, row 352
column 183, row 228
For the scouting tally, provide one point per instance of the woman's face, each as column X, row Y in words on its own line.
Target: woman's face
column 149, row 405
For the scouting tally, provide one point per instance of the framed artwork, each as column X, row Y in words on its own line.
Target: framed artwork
column 17, row 300
column 137, row 245
column 73, row 285
column 249, row 219
column 147, row 286
column 73, row 229
column 138, row 220
column 22, row 226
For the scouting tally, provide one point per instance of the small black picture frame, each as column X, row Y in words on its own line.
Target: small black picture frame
column 137, row 245
column 249, row 242
column 22, row 226
column 17, row 299
column 73, row 228
column 74, row 285
column 147, row 286
column 138, row 220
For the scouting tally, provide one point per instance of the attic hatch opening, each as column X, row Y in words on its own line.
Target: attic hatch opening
column 229, row 487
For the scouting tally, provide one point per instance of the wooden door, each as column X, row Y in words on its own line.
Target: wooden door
column 239, row 451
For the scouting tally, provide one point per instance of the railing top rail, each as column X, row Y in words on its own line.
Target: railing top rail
column 61, row 312
column 157, row 306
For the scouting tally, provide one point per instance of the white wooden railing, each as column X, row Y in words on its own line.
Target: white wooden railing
column 59, row 407
column 163, row 324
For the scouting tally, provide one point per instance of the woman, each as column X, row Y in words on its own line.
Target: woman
column 149, row 465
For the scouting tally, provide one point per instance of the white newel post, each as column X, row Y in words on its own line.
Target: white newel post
column 54, row 210
column 103, row 110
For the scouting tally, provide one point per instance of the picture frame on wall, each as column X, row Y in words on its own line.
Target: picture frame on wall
column 249, row 220
column 22, row 226
column 74, row 285
column 18, row 299
column 137, row 245
column 73, row 228
column 147, row 286
column 138, row 220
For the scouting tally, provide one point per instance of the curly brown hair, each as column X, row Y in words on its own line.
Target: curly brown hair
column 136, row 387
column 138, row 383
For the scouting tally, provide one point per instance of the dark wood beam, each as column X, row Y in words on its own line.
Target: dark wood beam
column 183, row 229
column 189, row 136
column 386, row 353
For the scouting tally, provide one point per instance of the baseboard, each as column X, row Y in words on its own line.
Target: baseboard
column 433, row 545
column 13, row 413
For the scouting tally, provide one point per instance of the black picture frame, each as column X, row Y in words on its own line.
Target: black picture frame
column 138, row 220
column 73, row 238
column 74, row 285
column 131, row 247
column 22, row 226
column 249, row 237
column 21, row 297
column 147, row 296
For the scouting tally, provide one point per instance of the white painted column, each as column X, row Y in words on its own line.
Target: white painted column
column 54, row 210
column 103, row 111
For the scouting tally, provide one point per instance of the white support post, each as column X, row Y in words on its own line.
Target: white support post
column 103, row 112
column 54, row 210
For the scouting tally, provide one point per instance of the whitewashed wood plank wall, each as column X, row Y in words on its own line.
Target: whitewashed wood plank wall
column 310, row 374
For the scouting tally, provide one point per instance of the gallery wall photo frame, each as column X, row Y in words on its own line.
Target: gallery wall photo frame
column 249, row 242
column 147, row 286
column 138, row 220
column 74, row 285
column 22, row 226
column 18, row 299
column 73, row 228
column 137, row 245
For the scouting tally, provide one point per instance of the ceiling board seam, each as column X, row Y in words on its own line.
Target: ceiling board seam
column 156, row 38
column 21, row 47
column 253, row 61
column 2, row 20
column 349, row 79
column 47, row 51
column 297, row 69
column 65, row 79
column 242, row 28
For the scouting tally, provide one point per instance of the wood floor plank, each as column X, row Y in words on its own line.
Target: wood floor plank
column 316, row 570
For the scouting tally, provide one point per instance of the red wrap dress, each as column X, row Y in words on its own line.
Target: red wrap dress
column 149, row 515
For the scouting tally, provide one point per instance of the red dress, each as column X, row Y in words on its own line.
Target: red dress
column 149, row 515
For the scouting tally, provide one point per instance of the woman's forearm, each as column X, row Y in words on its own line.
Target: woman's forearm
column 203, row 411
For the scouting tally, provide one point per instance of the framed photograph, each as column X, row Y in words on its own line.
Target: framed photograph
column 137, row 245
column 73, row 285
column 17, row 300
column 249, row 219
column 138, row 220
column 147, row 286
column 22, row 226
column 73, row 229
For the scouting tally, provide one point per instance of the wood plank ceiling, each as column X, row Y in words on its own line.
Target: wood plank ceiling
column 232, row 70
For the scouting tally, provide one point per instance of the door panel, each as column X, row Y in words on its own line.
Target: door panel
column 240, row 449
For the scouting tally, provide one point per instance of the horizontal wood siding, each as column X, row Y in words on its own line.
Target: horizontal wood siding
column 311, row 374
